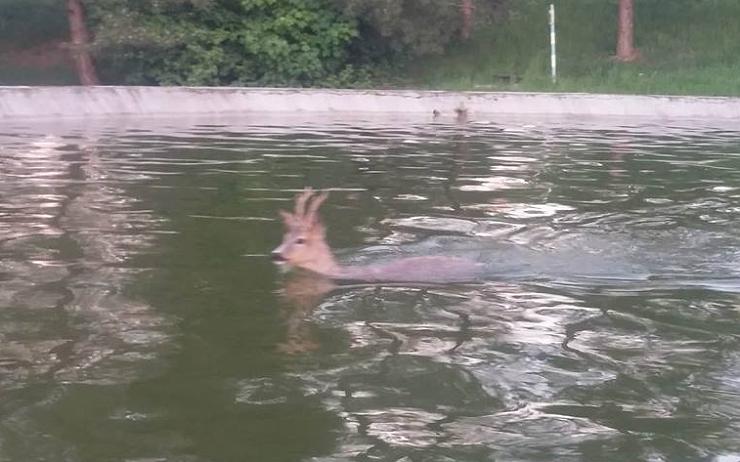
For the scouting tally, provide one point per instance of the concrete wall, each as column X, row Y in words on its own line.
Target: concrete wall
column 55, row 102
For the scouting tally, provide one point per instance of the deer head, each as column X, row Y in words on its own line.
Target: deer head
column 304, row 243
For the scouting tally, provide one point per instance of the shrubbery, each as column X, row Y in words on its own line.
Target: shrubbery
column 264, row 42
column 219, row 42
column 247, row 42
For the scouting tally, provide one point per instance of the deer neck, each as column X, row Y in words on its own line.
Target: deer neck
column 324, row 262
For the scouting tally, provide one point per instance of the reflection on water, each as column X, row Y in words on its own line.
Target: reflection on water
column 142, row 320
column 67, row 236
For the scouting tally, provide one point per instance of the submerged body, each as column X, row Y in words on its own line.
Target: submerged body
column 304, row 246
column 436, row 269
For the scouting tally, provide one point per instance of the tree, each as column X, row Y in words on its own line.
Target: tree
column 626, row 51
column 80, row 46
column 466, row 10
column 273, row 42
column 396, row 30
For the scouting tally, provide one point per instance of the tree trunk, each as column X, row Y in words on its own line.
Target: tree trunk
column 466, row 10
column 626, row 32
column 81, row 44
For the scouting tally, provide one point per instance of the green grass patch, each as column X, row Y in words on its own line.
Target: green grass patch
column 56, row 75
column 686, row 47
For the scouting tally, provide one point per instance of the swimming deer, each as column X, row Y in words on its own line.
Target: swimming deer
column 304, row 246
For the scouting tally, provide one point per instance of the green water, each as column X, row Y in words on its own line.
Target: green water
column 142, row 320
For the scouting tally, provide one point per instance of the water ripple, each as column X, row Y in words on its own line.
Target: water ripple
column 605, row 327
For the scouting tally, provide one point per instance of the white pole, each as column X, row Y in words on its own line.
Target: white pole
column 553, row 59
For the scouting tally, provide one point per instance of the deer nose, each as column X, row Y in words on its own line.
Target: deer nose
column 277, row 256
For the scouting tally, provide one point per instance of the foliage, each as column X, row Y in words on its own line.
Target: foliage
column 406, row 29
column 217, row 42
column 31, row 22
column 255, row 42
column 251, row 42
column 687, row 47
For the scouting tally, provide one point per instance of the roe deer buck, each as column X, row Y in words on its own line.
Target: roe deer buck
column 304, row 246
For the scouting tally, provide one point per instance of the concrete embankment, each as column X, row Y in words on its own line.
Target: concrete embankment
column 44, row 102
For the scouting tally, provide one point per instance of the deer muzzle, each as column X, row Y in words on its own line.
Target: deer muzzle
column 277, row 256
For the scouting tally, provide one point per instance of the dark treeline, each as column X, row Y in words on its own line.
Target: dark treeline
column 248, row 42
column 269, row 42
column 259, row 42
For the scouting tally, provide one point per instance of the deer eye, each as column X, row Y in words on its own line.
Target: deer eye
column 300, row 240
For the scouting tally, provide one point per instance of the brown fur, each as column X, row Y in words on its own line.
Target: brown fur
column 304, row 243
column 304, row 246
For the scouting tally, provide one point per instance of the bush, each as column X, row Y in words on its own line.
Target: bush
column 219, row 42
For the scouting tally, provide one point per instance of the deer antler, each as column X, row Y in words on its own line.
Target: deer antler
column 306, row 209
column 313, row 207
column 300, row 203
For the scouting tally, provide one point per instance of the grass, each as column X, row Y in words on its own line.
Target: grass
column 56, row 75
column 687, row 47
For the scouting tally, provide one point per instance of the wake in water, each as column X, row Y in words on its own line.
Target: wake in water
column 591, row 260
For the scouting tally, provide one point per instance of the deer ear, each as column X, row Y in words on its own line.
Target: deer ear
column 312, row 212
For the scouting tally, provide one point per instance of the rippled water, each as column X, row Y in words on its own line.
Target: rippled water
column 141, row 320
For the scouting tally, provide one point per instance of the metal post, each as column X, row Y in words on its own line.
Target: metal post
column 553, row 58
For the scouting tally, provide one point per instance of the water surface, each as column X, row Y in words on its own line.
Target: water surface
column 141, row 320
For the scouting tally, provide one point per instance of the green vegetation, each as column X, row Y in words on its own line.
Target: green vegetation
column 686, row 46
column 247, row 42
column 30, row 22
column 265, row 42
column 30, row 25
